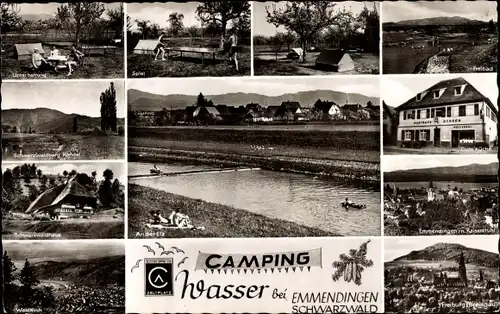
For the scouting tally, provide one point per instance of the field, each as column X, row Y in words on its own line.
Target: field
column 219, row 221
column 63, row 146
column 94, row 228
column 109, row 65
column 265, row 63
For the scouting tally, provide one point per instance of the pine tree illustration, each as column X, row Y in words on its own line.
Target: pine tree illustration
column 351, row 266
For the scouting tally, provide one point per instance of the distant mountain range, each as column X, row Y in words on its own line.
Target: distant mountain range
column 468, row 173
column 436, row 21
column 46, row 120
column 139, row 100
column 35, row 17
column 98, row 271
column 450, row 252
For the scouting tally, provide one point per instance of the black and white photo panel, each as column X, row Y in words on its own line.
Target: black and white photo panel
column 440, row 114
column 63, row 120
column 188, row 39
column 63, row 200
column 290, row 157
column 296, row 38
column 64, row 276
column 435, row 37
column 450, row 274
column 440, row 195
column 57, row 40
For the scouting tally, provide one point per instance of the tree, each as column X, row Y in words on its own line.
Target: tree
column 176, row 24
column 52, row 182
column 10, row 19
column 72, row 173
column 43, row 183
column 289, row 39
column 8, row 269
column 78, row 16
column 276, row 42
column 84, row 180
column 14, row 129
column 39, row 173
column 75, row 124
column 351, row 266
column 105, row 189
column 94, row 175
column 143, row 28
column 10, row 293
column 221, row 12
column 108, row 109
column 306, row 18
column 201, row 101
column 29, row 130
column 116, row 19
column 65, row 173
column 28, row 280
column 108, row 174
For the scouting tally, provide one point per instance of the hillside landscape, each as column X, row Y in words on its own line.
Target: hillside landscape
column 44, row 120
column 450, row 252
column 436, row 21
column 468, row 173
column 139, row 100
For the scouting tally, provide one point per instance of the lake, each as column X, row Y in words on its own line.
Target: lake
column 403, row 60
column 293, row 197
column 443, row 185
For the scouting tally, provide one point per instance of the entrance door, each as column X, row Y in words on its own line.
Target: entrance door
column 454, row 138
column 437, row 137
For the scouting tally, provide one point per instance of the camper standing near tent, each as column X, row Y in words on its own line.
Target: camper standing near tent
column 233, row 52
column 160, row 47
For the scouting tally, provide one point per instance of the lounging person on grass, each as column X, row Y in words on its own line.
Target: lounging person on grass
column 233, row 52
column 76, row 55
column 160, row 47
column 38, row 62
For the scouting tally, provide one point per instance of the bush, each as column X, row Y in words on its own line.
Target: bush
column 121, row 130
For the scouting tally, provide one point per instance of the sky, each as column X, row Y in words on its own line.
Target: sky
column 262, row 27
column 157, row 12
column 81, row 97
column 396, row 90
column 118, row 168
column 62, row 250
column 51, row 8
column 405, row 10
column 395, row 247
column 406, row 162
column 368, row 86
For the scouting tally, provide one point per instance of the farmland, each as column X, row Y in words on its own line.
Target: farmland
column 62, row 146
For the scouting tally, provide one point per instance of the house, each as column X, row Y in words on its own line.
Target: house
column 288, row 111
column 69, row 200
column 254, row 107
column 352, row 107
column 335, row 59
column 237, row 113
column 390, row 124
column 450, row 113
column 224, row 112
column 270, row 111
column 207, row 114
column 327, row 109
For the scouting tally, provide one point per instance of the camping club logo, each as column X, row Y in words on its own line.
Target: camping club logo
column 159, row 270
column 351, row 266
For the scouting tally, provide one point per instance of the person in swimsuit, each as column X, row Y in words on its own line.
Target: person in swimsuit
column 233, row 52
column 160, row 47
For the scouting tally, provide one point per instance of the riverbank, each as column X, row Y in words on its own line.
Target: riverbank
column 219, row 221
column 355, row 173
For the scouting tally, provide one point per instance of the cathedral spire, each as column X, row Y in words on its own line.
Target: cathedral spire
column 462, row 271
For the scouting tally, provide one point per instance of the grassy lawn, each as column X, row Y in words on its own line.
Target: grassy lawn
column 67, row 146
column 219, row 221
column 68, row 229
column 265, row 63
column 482, row 58
column 110, row 65
column 189, row 65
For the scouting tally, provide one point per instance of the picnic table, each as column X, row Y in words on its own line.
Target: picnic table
column 57, row 61
column 200, row 50
column 86, row 49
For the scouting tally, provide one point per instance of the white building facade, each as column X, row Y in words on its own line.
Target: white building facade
column 451, row 113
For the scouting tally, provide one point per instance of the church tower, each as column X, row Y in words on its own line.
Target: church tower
column 462, row 272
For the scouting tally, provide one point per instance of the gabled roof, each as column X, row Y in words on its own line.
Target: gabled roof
column 252, row 106
column 223, row 110
column 290, row 104
column 324, row 106
column 57, row 194
column 388, row 109
column 213, row 111
column 270, row 111
column 469, row 94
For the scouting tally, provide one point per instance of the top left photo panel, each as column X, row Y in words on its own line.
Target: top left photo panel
column 77, row 40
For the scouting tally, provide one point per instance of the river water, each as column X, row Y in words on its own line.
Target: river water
column 298, row 198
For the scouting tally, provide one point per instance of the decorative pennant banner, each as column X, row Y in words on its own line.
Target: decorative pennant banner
column 285, row 260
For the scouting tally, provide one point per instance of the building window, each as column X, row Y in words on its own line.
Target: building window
column 487, row 112
column 461, row 111
column 408, row 135
column 432, row 113
column 419, row 97
column 457, row 90
column 435, row 94
column 413, row 114
column 424, row 135
column 404, row 115
column 476, row 109
column 441, row 112
column 418, row 114
column 448, row 112
column 428, row 113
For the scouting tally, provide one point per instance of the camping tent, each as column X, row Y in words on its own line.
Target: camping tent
column 336, row 59
column 145, row 46
column 24, row 51
column 295, row 53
